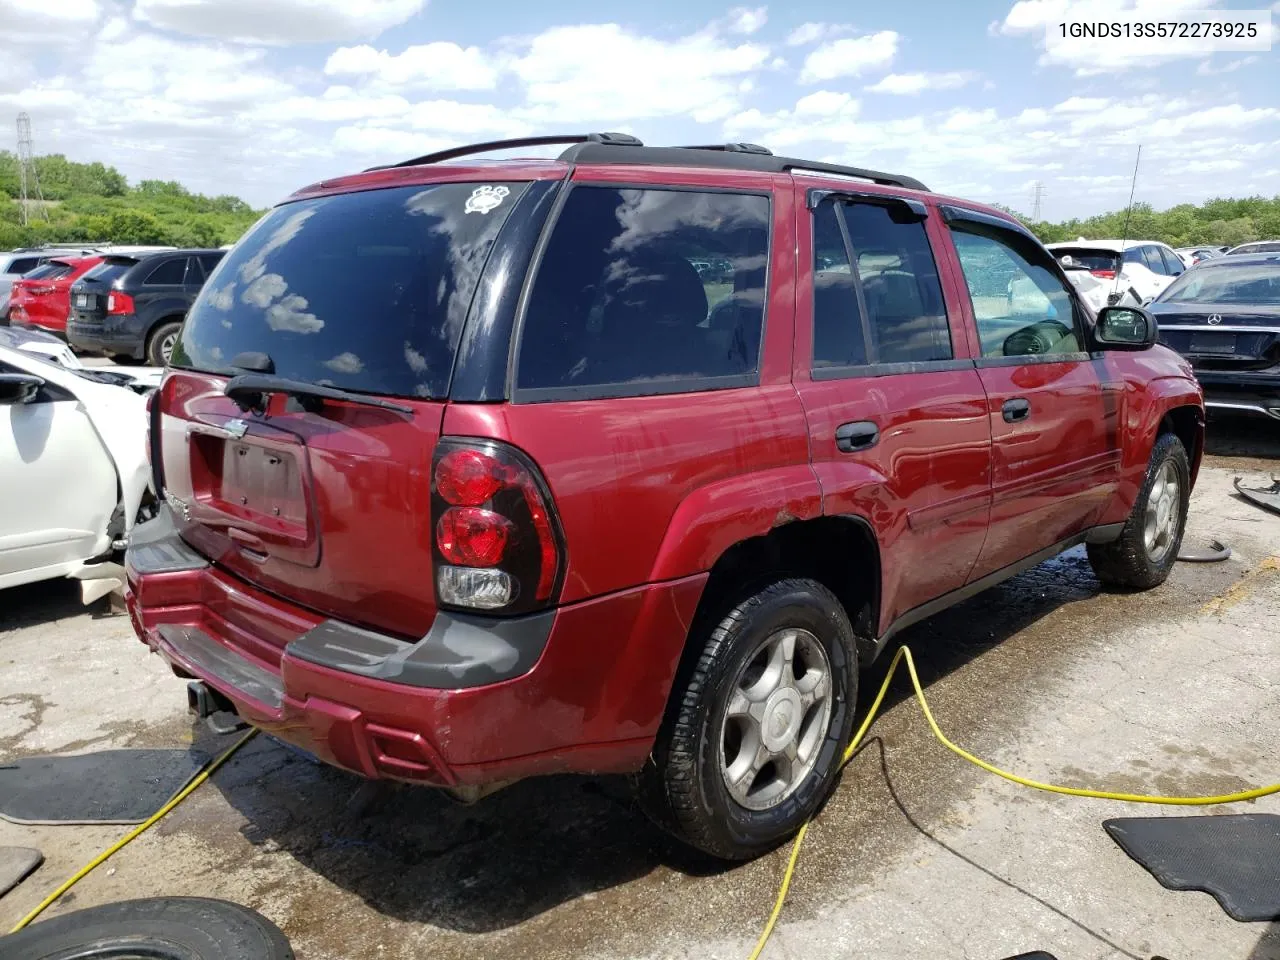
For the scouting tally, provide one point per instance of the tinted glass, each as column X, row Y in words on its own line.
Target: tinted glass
column 644, row 286
column 109, row 271
column 53, row 270
column 24, row 265
column 838, row 339
column 1100, row 260
column 168, row 272
column 209, row 260
column 1020, row 305
column 1221, row 281
column 1155, row 263
column 364, row 291
column 900, row 287
column 1173, row 265
column 1134, row 255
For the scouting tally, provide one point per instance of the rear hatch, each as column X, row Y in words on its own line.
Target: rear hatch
column 324, row 501
column 1104, row 264
column 89, row 294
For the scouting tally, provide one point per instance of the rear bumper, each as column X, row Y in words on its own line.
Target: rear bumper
column 1257, row 393
column 578, row 689
column 104, row 338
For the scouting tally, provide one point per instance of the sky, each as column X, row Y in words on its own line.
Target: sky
column 259, row 97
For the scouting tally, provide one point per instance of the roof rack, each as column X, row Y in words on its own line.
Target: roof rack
column 727, row 156
column 623, row 148
column 603, row 139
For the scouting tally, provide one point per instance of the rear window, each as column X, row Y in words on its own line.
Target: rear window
column 53, row 270
column 168, row 273
column 109, row 271
column 1089, row 259
column 23, row 265
column 647, row 291
column 1219, row 281
column 363, row 291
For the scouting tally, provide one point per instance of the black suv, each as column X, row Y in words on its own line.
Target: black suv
column 131, row 308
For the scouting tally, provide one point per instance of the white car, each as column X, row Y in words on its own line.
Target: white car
column 1258, row 246
column 1144, row 266
column 75, row 473
column 45, row 345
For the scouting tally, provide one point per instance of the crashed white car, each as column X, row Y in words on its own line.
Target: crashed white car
column 75, row 473
column 48, row 347
column 1142, row 267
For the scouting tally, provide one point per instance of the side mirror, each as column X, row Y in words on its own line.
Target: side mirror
column 1125, row 328
column 18, row 388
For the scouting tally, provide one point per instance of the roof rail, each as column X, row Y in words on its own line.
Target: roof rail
column 726, row 158
column 733, row 148
column 602, row 139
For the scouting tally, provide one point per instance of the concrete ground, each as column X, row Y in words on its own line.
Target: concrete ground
column 917, row 854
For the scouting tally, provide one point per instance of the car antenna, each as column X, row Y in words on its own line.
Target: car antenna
column 1127, row 213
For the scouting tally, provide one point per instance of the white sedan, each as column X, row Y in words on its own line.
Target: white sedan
column 73, row 473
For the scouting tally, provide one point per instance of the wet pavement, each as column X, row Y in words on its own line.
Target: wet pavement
column 916, row 855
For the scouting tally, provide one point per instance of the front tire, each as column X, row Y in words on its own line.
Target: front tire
column 1145, row 552
column 161, row 342
column 751, row 744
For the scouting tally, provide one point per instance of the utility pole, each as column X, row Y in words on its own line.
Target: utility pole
column 1037, row 196
column 27, row 176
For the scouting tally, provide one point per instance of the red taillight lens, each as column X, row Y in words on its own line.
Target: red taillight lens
column 119, row 303
column 39, row 291
column 497, row 540
column 471, row 537
column 1104, row 274
column 469, row 478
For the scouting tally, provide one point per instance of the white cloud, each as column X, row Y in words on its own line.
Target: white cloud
column 602, row 71
column 850, row 56
column 912, row 83
column 438, row 66
column 276, row 21
column 46, row 22
column 1207, row 69
column 1081, row 105
column 746, row 21
column 961, row 120
column 345, row 362
column 826, row 103
column 806, row 34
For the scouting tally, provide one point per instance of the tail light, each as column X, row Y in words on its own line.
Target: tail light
column 497, row 542
column 1104, row 274
column 39, row 291
column 119, row 303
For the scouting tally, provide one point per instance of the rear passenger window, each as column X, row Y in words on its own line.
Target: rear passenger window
column 1154, row 262
column 1173, row 266
column 169, row 272
column 647, row 291
column 877, row 298
column 208, row 261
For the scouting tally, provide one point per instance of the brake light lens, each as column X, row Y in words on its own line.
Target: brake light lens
column 497, row 542
column 1104, row 274
column 119, row 303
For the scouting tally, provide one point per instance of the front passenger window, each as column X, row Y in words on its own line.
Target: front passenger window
column 1020, row 305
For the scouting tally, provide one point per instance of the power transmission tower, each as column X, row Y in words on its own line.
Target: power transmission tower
column 1036, row 197
column 27, row 176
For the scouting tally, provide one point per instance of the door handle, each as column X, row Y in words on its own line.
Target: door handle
column 1016, row 409
column 859, row 435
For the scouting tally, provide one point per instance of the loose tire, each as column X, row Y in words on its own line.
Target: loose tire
column 160, row 343
column 752, row 741
column 166, row 928
column 1148, row 547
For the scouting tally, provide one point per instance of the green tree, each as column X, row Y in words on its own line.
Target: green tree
column 133, row 226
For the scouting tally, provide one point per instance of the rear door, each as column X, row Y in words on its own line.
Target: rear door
column 1053, row 420
column 328, row 504
column 896, row 412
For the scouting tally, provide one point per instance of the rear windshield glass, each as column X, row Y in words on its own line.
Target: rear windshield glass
column 1089, row 259
column 52, row 270
column 108, row 271
column 1218, row 281
column 363, row 291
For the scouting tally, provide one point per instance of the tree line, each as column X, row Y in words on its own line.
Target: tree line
column 94, row 202
column 1218, row 222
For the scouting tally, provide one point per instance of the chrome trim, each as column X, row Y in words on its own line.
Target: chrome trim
column 1230, row 328
column 1250, row 407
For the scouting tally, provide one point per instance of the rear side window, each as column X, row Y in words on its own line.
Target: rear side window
column 23, row 265
column 647, row 291
column 877, row 297
column 1155, row 263
column 364, row 291
column 170, row 272
column 208, row 261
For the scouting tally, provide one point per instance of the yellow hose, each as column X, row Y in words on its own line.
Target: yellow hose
column 209, row 770
column 905, row 654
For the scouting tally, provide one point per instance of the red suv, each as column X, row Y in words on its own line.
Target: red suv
column 42, row 298
column 471, row 474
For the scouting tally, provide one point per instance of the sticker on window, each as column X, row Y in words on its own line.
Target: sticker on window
column 486, row 199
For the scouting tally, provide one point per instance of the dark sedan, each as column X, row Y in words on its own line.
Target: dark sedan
column 1224, row 316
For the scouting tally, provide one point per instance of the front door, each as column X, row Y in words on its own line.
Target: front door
column 1053, row 426
column 896, row 413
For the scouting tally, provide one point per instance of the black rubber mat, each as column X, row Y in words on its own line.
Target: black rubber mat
column 16, row 864
column 1235, row 859
column 113, row 786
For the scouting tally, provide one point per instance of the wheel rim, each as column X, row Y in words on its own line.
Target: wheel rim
column 1164, row 508
column 776, row 719
column 166, row 346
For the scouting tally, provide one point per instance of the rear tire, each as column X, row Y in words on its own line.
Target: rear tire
column 160, row 343
column 1145, row 552
column 751, row 744
column 166, row 928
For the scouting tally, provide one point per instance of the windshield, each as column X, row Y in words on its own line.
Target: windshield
column 362, row 291
column 1089, row 259
column 1220, row 281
